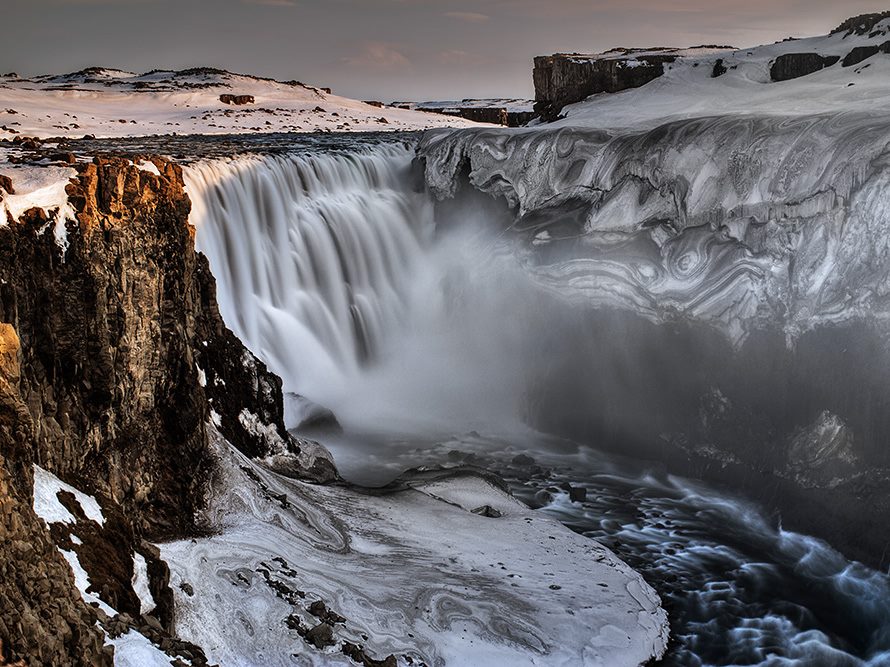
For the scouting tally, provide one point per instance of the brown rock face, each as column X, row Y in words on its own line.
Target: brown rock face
column 227, row 98
column 112, row 356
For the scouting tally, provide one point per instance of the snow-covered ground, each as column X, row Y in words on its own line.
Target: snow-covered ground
column 446, row 571
column 688, row 89
column 112, row 103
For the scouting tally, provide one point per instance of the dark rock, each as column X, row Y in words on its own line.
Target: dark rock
column 719, row 69
column 374, row 103
column 795, row 65
column 488, row 511
column 228, row 98
column 321, row 636
column 523, row 460
column 312, row 417
column 862, row 24
column 577, row 494
column 321, row 612
column 357, row 654
column 563, row 79
column 187, row 588
column 6, row 184
column 861, row 53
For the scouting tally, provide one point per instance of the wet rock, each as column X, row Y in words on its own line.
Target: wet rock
column 321, row 636
column 357, row 654
column 577, row 494
column 311, row 416
column 320, row 611
column 523, row 460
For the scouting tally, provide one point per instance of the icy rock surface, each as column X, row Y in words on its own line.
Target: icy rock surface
column 735, row 220
column 413, row 573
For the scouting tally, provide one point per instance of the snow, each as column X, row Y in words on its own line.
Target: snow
column 469, row 589
column 82, row 582
column 512, row 105
column 149, row 167
column 47, row 505
column 134, row 650
column 141, row 584
column 39, row 187
column 111, row 103
column 687, row 89
column 202, row 376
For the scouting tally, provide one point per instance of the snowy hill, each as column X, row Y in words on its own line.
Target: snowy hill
column 848, row 71
column 113, row 103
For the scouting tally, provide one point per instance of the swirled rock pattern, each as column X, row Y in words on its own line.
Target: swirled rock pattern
column 735, row 221
column 411, row 572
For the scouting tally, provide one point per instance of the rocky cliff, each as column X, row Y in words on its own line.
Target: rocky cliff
column 563, row 78
column 114, row 361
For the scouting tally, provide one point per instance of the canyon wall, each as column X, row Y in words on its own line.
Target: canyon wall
column 727, row 281
column 115, row 360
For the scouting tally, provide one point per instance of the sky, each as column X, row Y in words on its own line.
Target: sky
column 385, row 49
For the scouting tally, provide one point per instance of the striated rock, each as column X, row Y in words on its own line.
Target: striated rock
column 562, row 78
column 795, row 65
column 861, row 53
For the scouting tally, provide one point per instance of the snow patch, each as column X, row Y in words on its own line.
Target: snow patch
column 141, row 584
column 82, row 582
column 46, row 503
column 134, row 650
column 149, row 167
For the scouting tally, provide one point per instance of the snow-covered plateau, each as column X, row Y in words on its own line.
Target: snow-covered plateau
column 111, row 103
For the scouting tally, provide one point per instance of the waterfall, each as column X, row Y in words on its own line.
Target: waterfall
column 311, row 253
column 330, row 267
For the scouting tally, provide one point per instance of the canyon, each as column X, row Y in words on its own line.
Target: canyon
column 606, row 389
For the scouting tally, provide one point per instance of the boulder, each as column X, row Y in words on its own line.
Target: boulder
column 227, row 98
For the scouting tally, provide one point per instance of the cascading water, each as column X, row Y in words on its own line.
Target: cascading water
column 417, row 324
column 330, row 269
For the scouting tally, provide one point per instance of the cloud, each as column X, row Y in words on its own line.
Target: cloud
column 468, row 17
column 379, row 56
column 458, row 57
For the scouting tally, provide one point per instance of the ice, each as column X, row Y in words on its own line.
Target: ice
column 141, row 584
column 469, row 588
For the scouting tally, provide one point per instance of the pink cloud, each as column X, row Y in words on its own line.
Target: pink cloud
column 380, row 56
column 468, row 17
